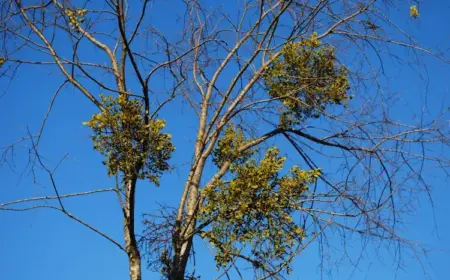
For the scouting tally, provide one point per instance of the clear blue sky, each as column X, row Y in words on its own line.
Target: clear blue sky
column 44, row 244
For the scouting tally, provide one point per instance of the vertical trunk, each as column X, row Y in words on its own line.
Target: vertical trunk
column 134, row 258
column 183, row 241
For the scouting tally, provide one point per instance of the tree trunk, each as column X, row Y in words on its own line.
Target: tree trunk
column 134, row 258
column 183, row 242
column 134, row 261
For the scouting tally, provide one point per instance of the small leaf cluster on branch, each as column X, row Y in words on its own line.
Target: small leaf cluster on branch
column 129, row 144
column 76, row 17
column 228, row 147
column 414, row 11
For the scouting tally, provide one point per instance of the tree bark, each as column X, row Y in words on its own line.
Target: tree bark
column 134, row 258
column 183, row 241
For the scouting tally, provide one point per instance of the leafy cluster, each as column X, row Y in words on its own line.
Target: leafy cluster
column 76, row 17
column 306, row 77
column 252, row 214
column 228, row 147
column 129, row 143
column 2, row 61
column 413, row 11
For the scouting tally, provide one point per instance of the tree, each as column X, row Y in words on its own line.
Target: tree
column 273, row 76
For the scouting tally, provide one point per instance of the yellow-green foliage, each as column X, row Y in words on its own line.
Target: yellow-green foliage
column 121, row 135
column 306, row 77
column 76, row 17
column 228, row 147
column 253, row 211
column 413, row 11
column 2, row 61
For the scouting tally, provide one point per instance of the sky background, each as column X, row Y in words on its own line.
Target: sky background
column 44, row 244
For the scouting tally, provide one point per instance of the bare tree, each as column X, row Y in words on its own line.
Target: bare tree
column 274, row 75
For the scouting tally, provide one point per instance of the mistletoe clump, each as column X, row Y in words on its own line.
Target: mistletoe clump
column 130, row 144
column 253, row 212
column 306, row 77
